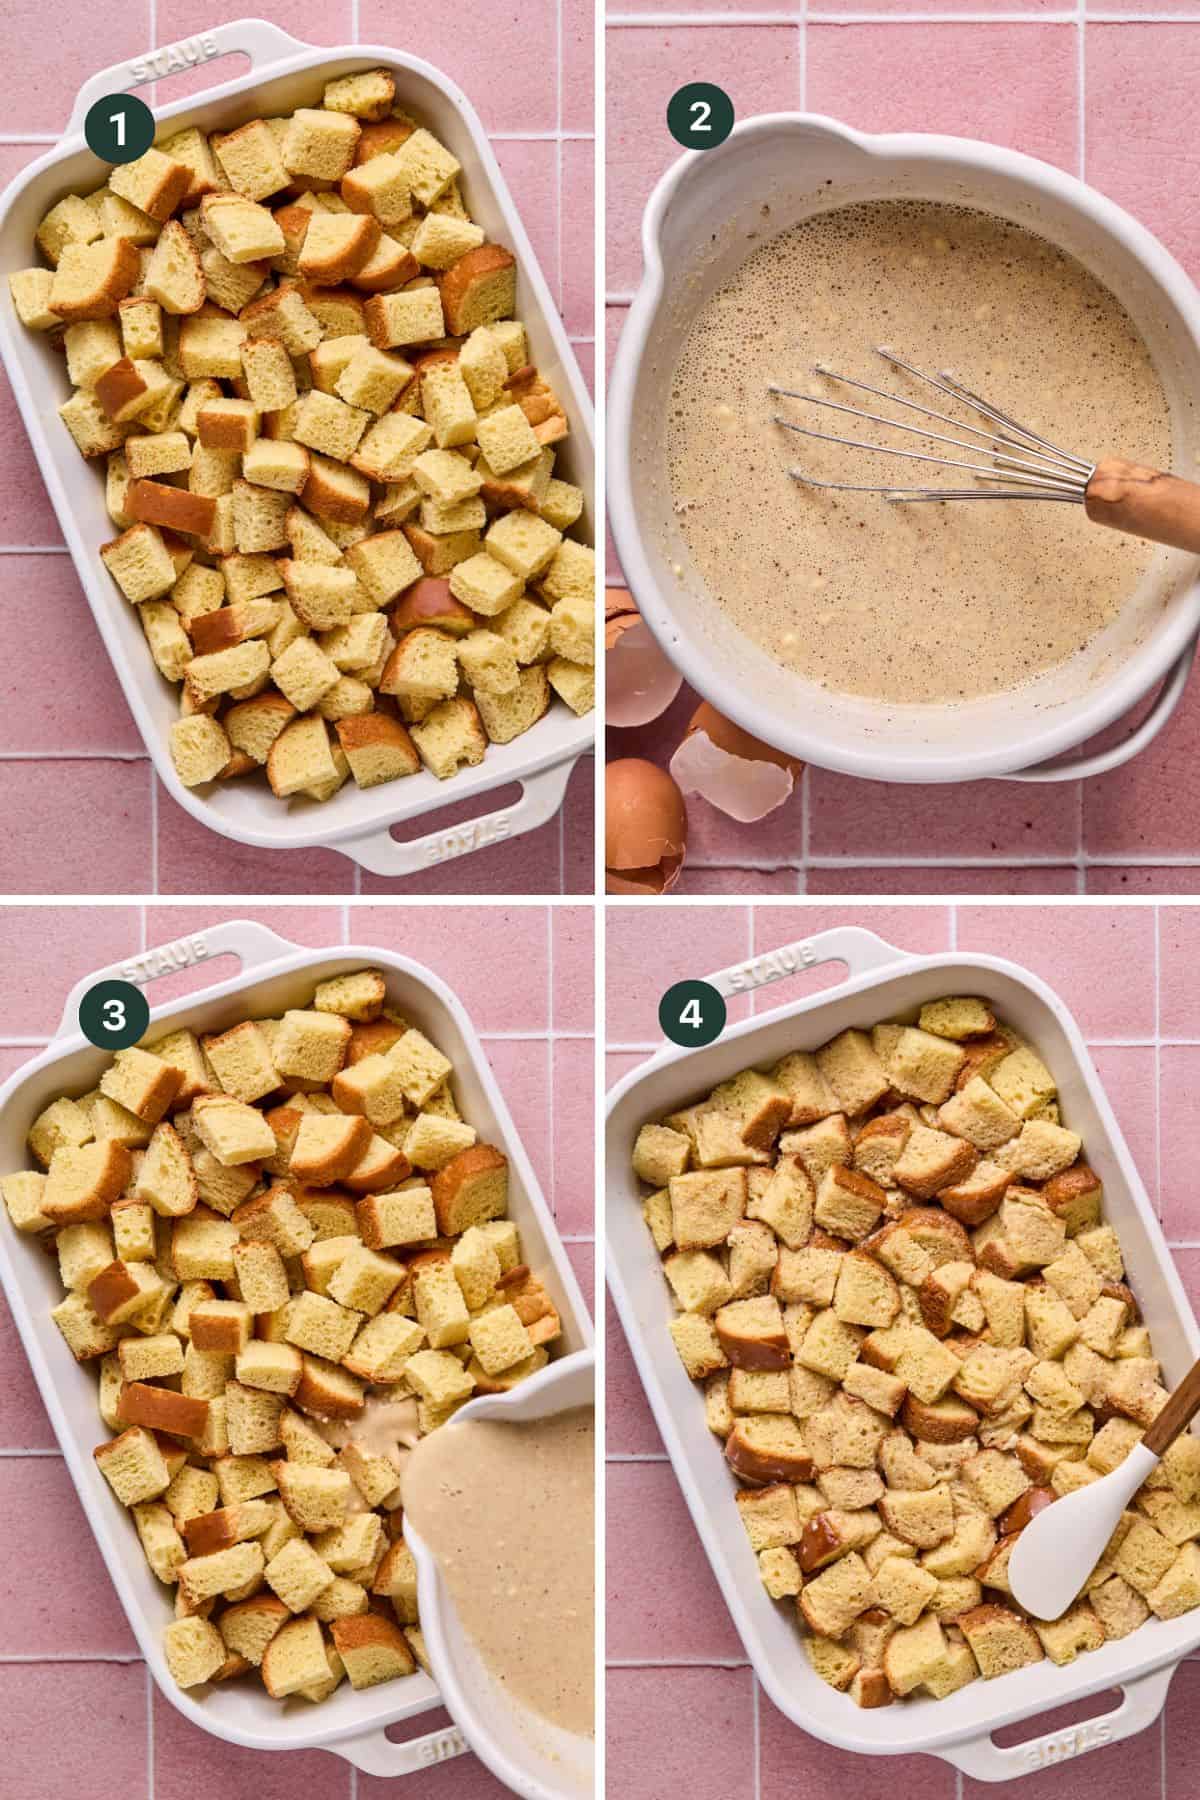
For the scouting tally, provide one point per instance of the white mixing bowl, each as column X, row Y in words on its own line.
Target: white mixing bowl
column 699, row 226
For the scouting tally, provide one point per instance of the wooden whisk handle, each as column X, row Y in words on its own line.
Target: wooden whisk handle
column 1177, row 1413
column 1146, row 503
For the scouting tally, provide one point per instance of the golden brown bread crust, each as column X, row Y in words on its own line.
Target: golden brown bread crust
column 429, row 602
column 948, row 1421
column 468, row 1165
column 326, row 270
column 458, row 283
column 400, row 267
column 155, row 503
column 161, row 1409
column 123, row 274
column 762, row 1467
column 119, row 384
column 371, row 1631
column 367, row 731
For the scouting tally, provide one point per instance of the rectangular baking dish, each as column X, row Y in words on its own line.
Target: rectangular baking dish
column 284, row 74
column 882, row 983
column 274, row 975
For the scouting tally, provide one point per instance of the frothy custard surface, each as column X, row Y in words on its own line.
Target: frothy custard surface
column 915, row 603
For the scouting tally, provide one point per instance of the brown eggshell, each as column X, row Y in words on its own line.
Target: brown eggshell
column 617, row 601
column 735, row 742
column 645, row 830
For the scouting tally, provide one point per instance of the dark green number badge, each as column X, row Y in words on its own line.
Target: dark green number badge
column 119, row 128
column 114, row 1014
column 691, row 1013
column 700, row 116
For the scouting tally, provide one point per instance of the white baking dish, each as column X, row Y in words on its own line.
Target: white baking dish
column 884, row 982
column 698, row 227
column 535, row 1759
column 274, row 975
column 284, row 74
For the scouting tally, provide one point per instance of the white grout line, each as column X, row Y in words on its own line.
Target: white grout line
column 756, row 1724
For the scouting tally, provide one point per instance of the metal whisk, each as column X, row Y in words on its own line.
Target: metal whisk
column 1020, row 463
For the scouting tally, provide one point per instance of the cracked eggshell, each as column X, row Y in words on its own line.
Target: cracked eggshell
column 645, row 828
column 738, row 774
column 639, row 682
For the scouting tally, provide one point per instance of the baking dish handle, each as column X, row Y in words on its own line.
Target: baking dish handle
column 860, row 950
column 1142, row 1700
column 252, row 943
column 376, row 1754
column 1101, row 761
column 263, row 43
column 541, row 796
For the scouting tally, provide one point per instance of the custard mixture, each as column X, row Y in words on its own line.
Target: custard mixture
column 919, row 603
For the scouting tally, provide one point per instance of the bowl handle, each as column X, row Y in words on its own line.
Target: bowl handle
column 252, row 943
column 1142, row 1700
column 1099, row 763
column 261, row 42
column 541, row 796
column 376, row 1754
column 860, row 950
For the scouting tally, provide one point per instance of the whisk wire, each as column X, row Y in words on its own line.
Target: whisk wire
column 1029, row 465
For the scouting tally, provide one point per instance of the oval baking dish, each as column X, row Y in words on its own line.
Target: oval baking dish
column 883, row 982
column 698, row 227
column 274, row 975
column 284, row 74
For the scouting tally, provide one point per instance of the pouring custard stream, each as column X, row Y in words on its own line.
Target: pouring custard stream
column 924, row 603
column 506, row 1509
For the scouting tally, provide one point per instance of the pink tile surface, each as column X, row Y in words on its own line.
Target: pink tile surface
column 496, row 958
column 61, row 1721
column 630, row 1426
column 579, row 71
column 695, row 942
column 573, row 1135
column 1136, row 73
column 76, row 826
column 663, row 1603
column 52, row 701
column 573, row 947
column 795, row 1766
column 758, row 66
column 1011, row 80
column 1009, row 84
column 1067, row 946
column 42, row 1612
column 945, row 878
column 43, row 952
column 188, row 1761
column 39, row 104
column 528, row 72
column 578, row 235
column 711, row 1758
column 23, row 1421
column 501, row 38
column 194, row 860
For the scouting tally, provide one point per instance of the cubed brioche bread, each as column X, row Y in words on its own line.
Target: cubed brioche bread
column 267, row 329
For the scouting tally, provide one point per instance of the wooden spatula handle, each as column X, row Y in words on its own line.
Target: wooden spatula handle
column 1146, row 503
column 1177, row 1414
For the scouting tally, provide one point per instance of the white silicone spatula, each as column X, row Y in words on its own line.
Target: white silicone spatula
column 1059, row 1548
